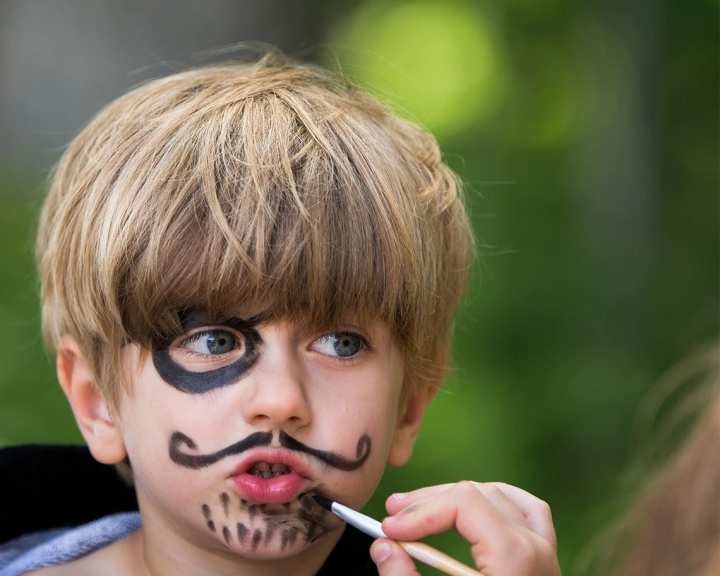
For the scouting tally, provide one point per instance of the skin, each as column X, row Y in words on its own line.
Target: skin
column 510, row 531
column 297, row 386
column 192, row 518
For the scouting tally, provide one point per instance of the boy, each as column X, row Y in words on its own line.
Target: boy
column 249, row 274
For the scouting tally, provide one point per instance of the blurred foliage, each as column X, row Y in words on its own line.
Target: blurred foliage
column 32, row 406
column 587, row 135
column 437, row 61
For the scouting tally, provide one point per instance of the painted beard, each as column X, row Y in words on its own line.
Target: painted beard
column 253, row 526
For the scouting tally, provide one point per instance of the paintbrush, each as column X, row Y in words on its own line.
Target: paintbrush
column 417, row 550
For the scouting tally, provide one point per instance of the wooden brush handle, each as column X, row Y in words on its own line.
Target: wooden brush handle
column 437, row 559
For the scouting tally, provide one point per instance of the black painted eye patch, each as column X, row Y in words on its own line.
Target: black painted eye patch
column 201, row 382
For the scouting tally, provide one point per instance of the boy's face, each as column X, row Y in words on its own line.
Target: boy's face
column 232, row 427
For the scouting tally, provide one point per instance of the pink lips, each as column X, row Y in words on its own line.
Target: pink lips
column 279, row 489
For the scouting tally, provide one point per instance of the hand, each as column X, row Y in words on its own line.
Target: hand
column 510, row 531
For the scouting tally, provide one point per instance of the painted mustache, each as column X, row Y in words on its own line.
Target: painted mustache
column 196, row 461
column 330, row 458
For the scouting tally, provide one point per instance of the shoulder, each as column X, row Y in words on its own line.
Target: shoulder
column 90, row 492
column 80, row 567
column 54, row 570
column 113, row 560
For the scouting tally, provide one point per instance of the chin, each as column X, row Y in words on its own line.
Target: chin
column 269, row 530
column 278, row 544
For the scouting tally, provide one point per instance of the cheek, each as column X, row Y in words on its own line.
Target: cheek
column 152, row 414
column 371, row 409
column 354, row 488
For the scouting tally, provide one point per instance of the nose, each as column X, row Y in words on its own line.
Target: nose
column 277, row 397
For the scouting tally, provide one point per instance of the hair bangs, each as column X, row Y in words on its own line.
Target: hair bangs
column 283, row 229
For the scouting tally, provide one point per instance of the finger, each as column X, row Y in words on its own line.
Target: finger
column 459, row 507
column 508, row 499
column 498, row 499
column 535, row 511
column 392, row 560
column 499, row 545
column 399, row 501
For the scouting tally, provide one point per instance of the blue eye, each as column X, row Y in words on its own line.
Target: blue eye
column 341, row 344
column 208, row 355
column 212, row 342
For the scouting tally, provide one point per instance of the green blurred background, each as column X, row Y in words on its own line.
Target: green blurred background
column 587, row 135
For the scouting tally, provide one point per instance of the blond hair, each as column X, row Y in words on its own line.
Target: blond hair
column 674, row 527
column 241, row 188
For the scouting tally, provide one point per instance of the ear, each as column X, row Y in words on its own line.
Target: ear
column 88, row 405
column 407, row 431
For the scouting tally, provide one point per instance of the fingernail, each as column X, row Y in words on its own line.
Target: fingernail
column 400, row 496
column 380, row 553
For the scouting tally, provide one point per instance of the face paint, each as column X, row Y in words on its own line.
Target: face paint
column 208, row 517
column 314, row 517
column 225, row 499
column 257, row 536
column 330, row 458
column 303, row 517
column 195, row 461
column 202, row 460
column 201, row 382
column 242, row 532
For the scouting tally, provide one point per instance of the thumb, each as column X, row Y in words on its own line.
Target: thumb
column 392, row 560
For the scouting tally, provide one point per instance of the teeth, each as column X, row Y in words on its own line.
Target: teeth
column 278, row 469
column 265, row 470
